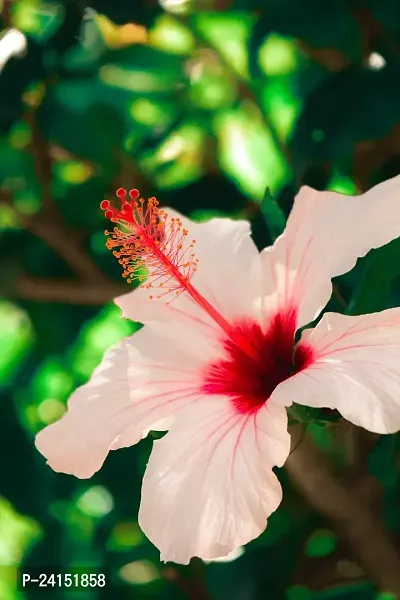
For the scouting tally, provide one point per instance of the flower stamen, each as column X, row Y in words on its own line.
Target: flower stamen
column 154, row 249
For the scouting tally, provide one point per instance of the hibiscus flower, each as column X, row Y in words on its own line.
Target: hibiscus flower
column 216, row 362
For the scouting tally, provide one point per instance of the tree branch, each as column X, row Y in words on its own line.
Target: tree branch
column 42, row 159
column 65, row 291
column 314, row 477
column 6, row 14
column 66, row 242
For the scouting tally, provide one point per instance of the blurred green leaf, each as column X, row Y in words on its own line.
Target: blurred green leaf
column 136, row 69
column 298, row 592
column 273, row 215
column 96, row 337
column 354, row 105
column 121, row 12
column 248, row 154
column 320, row 25
column 95, row 110
column 227, row 33
column 372, row 293
column 321, row 543
column 171, row 35
column 16, row 339
column 177, row 160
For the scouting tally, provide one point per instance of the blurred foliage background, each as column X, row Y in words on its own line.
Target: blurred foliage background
column 217, row 107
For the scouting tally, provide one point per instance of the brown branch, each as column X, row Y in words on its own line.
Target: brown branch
column 42, row 159
column 331, row 59
column 6, row 14
column 48, row 224
column 326, row 492
column 66, row 242
column 373, row 30
column 65, row 291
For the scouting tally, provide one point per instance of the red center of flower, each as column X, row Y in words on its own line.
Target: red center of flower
column 256, row 361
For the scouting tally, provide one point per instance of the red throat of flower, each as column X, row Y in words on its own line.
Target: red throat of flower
column 157, row 250
column 154, row 249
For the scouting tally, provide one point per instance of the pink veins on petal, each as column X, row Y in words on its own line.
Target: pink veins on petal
column 256, row 362
column 156, row 250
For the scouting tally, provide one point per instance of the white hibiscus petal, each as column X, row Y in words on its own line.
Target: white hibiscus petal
column 355, row 370
column 325, row 235
column 139, row 385
column 209, row 486
column 228, row 276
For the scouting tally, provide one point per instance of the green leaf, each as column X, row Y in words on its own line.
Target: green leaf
column 171, row 35
column 248, row 154
column 343, row 111
column 86, row 118
column 143, row 69
column 16, row 340
column 280, row 524
column 321, row 25
column 273, row 215
column 298, row 592
column 96, row 337
column 358, row 591
column 322, row 435
column 15, row 164
column 177, row 160
column 121, row 12
column 385, row 596
column 372, row 293
column 321, row 543
column 228, row 34
column 35, row 20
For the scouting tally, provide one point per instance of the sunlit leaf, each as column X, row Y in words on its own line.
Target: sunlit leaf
column 170, row 35
column 278, row 55
column 16, row 339
column 17, row 533
column 73, row 172
column 282, row 105
column 125, row 535
column 298, row 592
column 342, row 185
column 139, row 572
column 96, row 502
column 248, row 154
column 96, row 337
column 228, row 33
column 321, row 543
